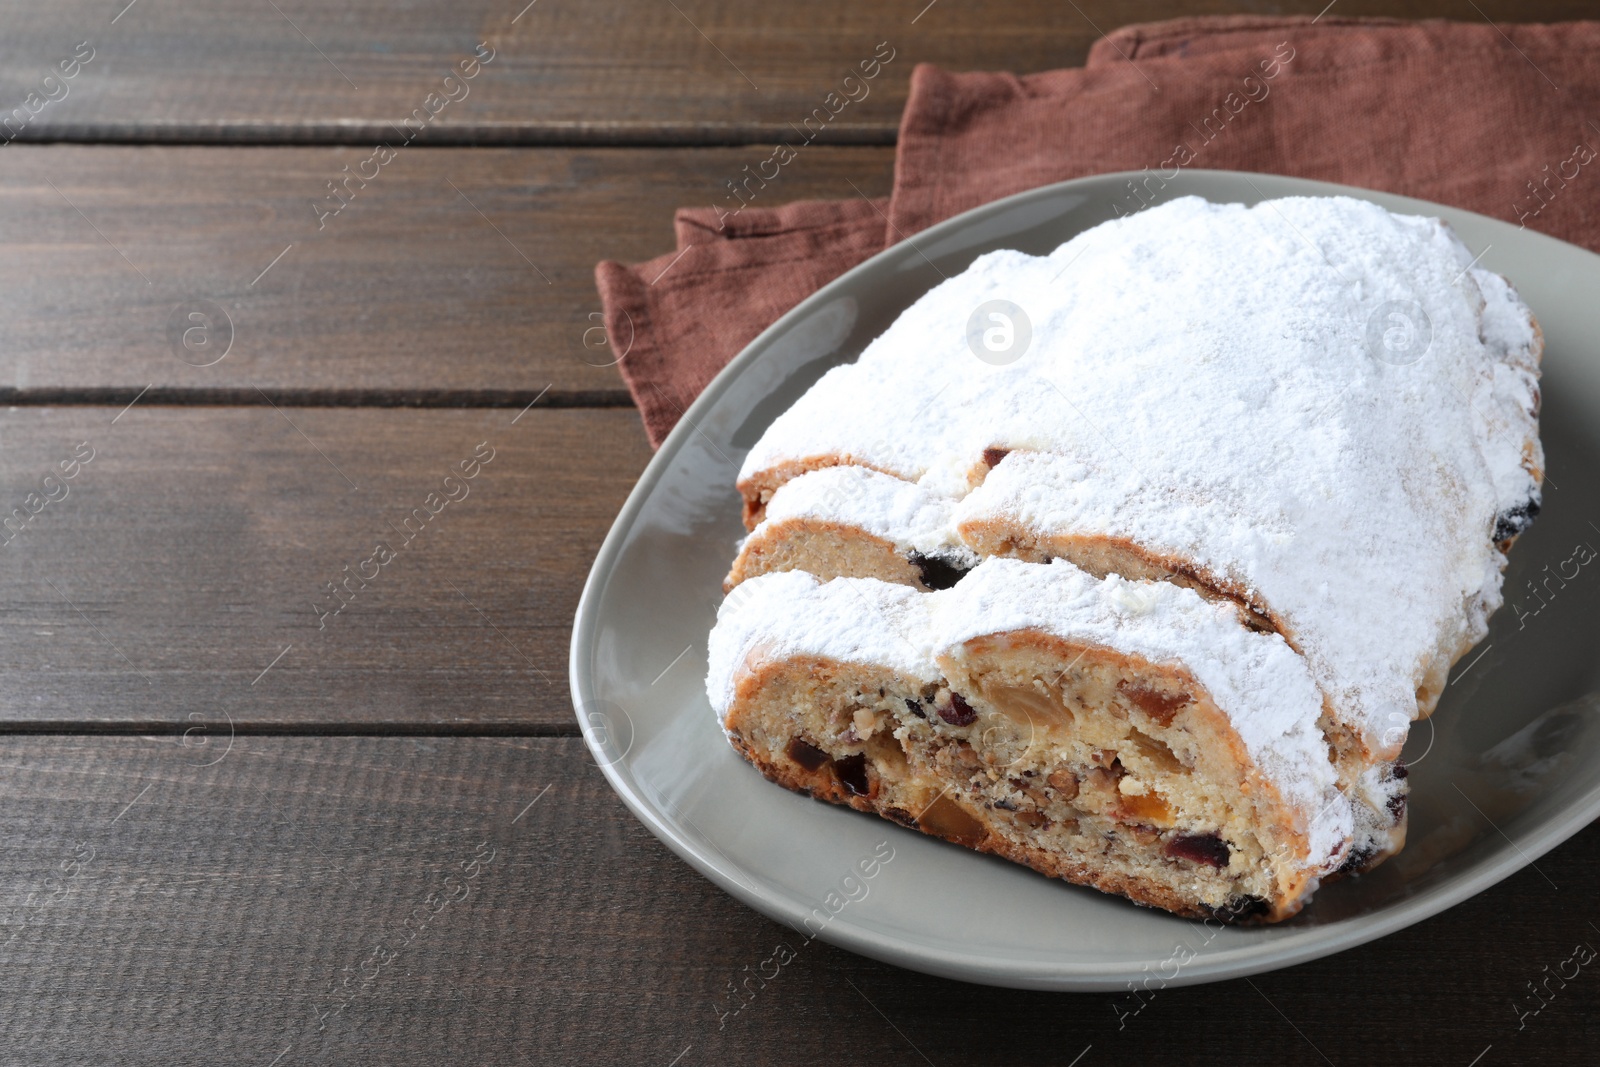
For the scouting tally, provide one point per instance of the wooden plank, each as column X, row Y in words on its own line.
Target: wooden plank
column 192, row 549
column 456, row 276
column 607, row 71
column 398, row 901
column 597, row 71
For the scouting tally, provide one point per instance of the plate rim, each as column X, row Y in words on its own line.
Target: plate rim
column 1300, row 945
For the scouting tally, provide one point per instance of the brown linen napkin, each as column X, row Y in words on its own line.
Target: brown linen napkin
column 675, row 321
column 1500, row 120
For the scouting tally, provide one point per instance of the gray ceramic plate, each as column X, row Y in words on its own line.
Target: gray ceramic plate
column 1508, row 767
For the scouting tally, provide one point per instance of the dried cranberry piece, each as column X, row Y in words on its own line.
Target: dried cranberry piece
column 1512, row 522
column 1397, row 803
column 1358, row 859
column 852, row 771
column 915, row 708
column 993, row 456
column 1242, row 908
column 959, row 713
column 1199, row 848
column 807, row 755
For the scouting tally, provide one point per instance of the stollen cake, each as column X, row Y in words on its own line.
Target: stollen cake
column 1210, row 538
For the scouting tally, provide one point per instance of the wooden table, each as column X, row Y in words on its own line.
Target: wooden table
column 235, row 830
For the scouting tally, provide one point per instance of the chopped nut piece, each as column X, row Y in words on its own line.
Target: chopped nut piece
column 1101, row 780
column 866, row 721
column 1064, row 782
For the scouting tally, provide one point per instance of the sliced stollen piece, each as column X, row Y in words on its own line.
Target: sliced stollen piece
column 1129, row 736
column 1164, row 695
column 1313, row 406
column 805, row 678
column 852, row 522
column 1038, row 506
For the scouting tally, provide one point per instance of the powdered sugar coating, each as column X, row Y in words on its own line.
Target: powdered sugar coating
column 1232, row 385
column 910, row 516
column 1254, row 679
column 789, row 613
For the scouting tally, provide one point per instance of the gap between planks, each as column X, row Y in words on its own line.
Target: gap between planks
column 483, row 135
column 179, row 396
column 168, row 728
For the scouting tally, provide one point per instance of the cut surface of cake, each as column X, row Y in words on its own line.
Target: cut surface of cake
column 854, row 522
column 1312, row 418
column 1130, row 736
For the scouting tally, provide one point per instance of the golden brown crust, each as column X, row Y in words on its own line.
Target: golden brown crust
column 759, row 487
column 822, row 784
column 1102, row 556
column 764, row 743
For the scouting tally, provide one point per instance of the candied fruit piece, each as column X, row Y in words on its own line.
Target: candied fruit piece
column 1159, row 706
column 852, row 772
column 1151, row 808
column 806, row 754
column 947, row 819
column 1028, row 707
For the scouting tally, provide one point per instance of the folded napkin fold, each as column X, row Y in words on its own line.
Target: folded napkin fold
column 1502, row 120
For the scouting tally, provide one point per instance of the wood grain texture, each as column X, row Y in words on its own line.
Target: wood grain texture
column 608, row 71
column 205, row 894
column 197, row 544
column 456, row 276
column 398, row 901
